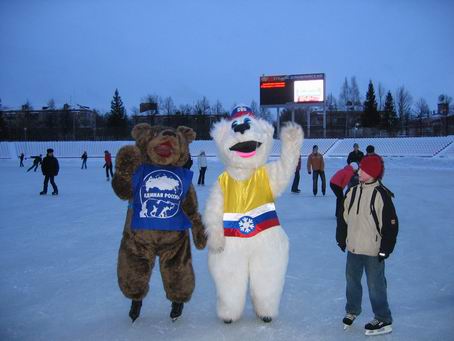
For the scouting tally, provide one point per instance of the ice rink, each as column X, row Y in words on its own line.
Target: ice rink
column 58, row 260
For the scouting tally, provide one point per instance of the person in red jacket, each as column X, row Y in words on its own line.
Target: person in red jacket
column 108, row 165
column 340, row 180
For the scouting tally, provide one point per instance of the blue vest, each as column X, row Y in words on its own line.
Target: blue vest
column 159, row 192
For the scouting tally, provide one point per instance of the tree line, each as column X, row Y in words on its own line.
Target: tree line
column 380, row 110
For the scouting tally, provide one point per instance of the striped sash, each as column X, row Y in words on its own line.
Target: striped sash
column 248, row 224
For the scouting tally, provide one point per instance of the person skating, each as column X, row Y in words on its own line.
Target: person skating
column 316, row 167
column 36, row 162
column 108, row 164
column 50, row 168
column 355, row 155
column 21, row 158
column 188, row 163
column 84, row 158
column 202, row 164
column 370, row 150
column 340, row 180
column 296, row 179
column 367, row 227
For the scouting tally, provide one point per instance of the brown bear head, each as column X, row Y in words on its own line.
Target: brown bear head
column 163, row 146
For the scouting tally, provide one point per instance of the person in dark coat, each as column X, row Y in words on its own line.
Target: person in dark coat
column 84, row 158
column 188, row 163
column 356, row 155
column 36, row 162
column 50, row 168
column 108, row 164
column 21, row 158
column 296, row 179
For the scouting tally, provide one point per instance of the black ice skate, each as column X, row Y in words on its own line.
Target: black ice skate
column 42, row 193
column 55, row 193
column 348, row 320
column 134, row 312
column 376, row 327
column 177, row 310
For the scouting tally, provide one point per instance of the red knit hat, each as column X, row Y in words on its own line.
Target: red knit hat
column 372, row 165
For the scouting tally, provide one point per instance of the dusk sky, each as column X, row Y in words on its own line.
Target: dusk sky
column 79, row 51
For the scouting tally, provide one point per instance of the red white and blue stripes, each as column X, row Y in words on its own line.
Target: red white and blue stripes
column 249, row 224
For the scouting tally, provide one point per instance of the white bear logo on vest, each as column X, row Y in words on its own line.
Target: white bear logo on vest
column 160, row 195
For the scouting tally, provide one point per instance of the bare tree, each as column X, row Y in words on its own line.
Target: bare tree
column 152, row 98
column 51, row 104
column 27, row 106
column 354, row 92
column 167, row 106
column 381, row 93
column 404, row 103
column 217, row 108
column 185, row 109
column 255, row 108
column 344, row 96
column 422, row 109
column 202, row 106
column 265, row 114
column 331, row 102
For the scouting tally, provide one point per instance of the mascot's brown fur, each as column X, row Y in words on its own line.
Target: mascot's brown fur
column 159, row 146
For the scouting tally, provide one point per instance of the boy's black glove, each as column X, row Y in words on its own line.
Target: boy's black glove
column 382, row 256
column 342, row 246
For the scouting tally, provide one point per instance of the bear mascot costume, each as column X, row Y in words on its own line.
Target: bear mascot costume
column 245, row 239
column 162, row 207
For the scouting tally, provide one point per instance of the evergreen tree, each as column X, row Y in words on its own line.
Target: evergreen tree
column 389, row 120
column 370, row 117
column 117, row 117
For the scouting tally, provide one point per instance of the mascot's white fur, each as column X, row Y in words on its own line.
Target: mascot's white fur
column 244, row 143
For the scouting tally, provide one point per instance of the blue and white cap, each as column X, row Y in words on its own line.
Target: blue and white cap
column 241, row 110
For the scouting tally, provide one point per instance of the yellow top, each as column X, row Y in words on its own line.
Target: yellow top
column 241, row 196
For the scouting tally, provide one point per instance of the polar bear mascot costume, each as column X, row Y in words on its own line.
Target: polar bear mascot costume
column 245, row 239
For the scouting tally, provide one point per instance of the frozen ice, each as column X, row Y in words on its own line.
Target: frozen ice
column 58, row 259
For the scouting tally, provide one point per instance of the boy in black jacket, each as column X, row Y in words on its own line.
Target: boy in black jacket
column 50, row 168
column 367, row 226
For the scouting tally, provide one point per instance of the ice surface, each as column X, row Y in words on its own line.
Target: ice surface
column 58, row 263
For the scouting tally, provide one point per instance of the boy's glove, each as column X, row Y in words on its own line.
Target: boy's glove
column 382, row 256
column 342, row 246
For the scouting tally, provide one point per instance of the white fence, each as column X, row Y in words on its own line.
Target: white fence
column 411, row 146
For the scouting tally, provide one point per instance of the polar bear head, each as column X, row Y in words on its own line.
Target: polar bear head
column 243, row 140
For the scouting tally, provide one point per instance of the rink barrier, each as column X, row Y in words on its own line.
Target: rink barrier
column 402, row 146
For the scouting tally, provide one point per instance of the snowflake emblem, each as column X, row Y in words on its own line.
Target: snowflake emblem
column 246, row 225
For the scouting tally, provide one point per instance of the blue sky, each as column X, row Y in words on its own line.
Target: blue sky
column 81, row 50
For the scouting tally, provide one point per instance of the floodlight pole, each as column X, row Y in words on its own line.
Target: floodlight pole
column 324, row 120
column 324, row 105
column 308, row 119
column 278, row 123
